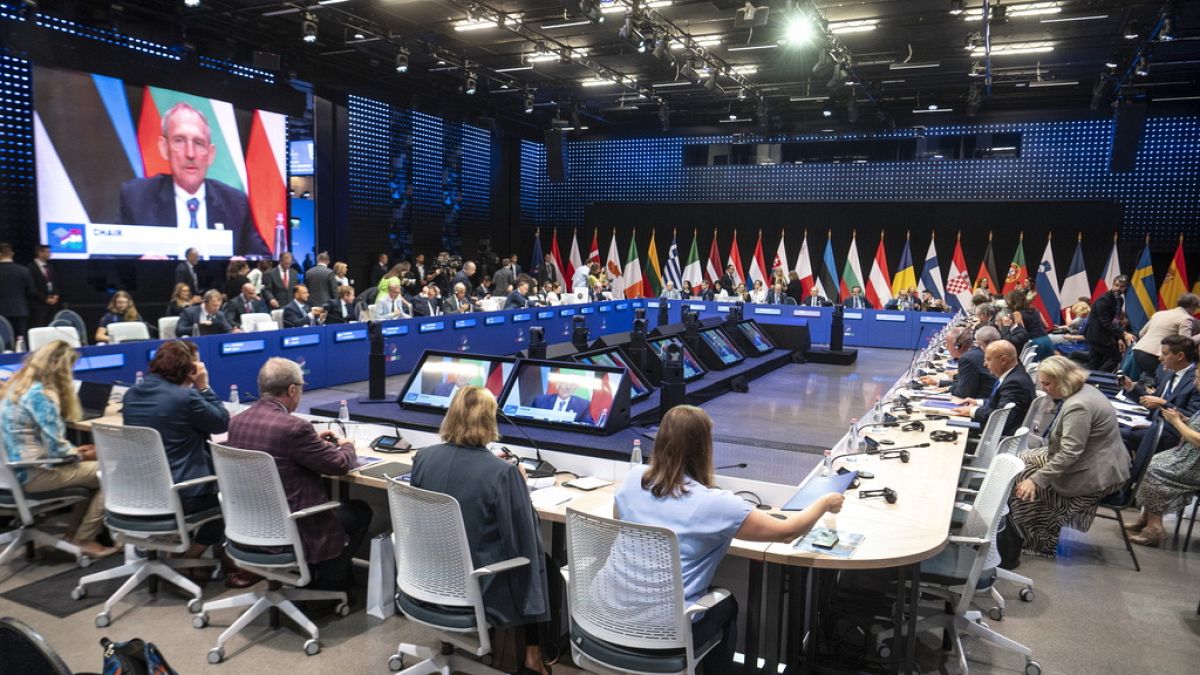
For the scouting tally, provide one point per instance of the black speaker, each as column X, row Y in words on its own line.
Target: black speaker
column 1127, row 136
column 612, row 340
column 556, row 157
column 561, row 351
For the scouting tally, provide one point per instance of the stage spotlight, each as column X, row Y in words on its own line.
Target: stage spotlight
column 957, row 7
column 528, row 101
column 309, row 27
column 191, row 3
column 1132, row 30
column 827, row 110
column 589, row 9
column 999, row 13
column 470, row 83
column 647, row 45
column 662, row 46
column 401, row 60
column 800, row 30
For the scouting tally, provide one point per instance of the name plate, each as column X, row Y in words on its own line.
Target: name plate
column 545, row 315
column 497, row 320
column 564, row 312
column 935, row 319
column 768, row 310
column 240, row 347
column 101, row 362
column 852, row 315
column 891, row 317
column 605, row 308
column 808, row 313
column 622, row 305
column 392, row 331
column 350, row 335
column 306, row 340
column 431, row 326
column 465, row 323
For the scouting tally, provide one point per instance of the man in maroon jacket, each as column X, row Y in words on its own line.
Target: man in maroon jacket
column 303, row 456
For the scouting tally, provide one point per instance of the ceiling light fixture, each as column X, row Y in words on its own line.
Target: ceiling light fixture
column 1065, row 19
column 401, row 60
column 1019, row 10
column 914, row 65
column 746, row 48
column 597, row 82
column 191, row 3
column 1016, row 48
column 308, row 28
column 1132, row 30
column 1142, row 67
column 528, row 102
column 699, row 41
column 800, row 30
column 513, row 69
column 933, row 110
column 1053, row 83
column 565, row 24
column 856, row 26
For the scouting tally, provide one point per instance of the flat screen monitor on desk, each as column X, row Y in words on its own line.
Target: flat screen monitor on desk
column 721, row 351
column 639, row 386
column 752, row 336
column 579, row 397
column 691, row 364
column 438, row 375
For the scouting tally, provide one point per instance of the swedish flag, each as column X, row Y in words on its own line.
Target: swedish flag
column 1139, row 299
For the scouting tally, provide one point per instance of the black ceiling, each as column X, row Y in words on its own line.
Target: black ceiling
column 913, row 57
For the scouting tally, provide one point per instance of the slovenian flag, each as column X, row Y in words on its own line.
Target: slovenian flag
column 1046, row 301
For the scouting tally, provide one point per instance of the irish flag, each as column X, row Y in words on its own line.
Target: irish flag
column 633, row 270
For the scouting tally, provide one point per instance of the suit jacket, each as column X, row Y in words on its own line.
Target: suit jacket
column 460, row 278
column 452, row 305
column 575, row 404
column 185, row 418
column 302, row 459
column 516, row 301
column 547, row 273
column 42, row 286
column 1085, row 453
column 1016, row 388
column 1104, row 323
column 502, row 280
column 857, row 302
column 186, row 274
column 444, row 389
column 334, row 314
column 1170, row 322
column 795, row 290
column 321, row 285
column 386, row 308
column 425, row 306
column 727, row 283
column 16, row 289
column 708, row 295
column 1184, row 396
column 236, row 307
column 274, row 288
column 295, row 315
column 192, row 316
column 151, row 201
column 375, row 274
column 974, row 380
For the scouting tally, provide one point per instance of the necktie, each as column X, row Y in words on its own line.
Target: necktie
column 193, row 205
column 561, row 406
column 995, row 388
column 283, row 274
column 249, row 309
column 1170, row 388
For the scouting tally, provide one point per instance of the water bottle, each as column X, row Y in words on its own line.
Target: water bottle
column 827, row 463
column 878, row 411
column 343, row 412
column 139, row 378
column 830, row 522
column 852, row 437
column 635, row 457
column 280, row 235
column 235, row 401
column 20, row 346
column 196, row 330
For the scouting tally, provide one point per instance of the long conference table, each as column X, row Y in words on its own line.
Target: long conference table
column 783, row 583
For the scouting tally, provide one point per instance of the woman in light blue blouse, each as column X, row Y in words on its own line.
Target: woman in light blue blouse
column 676, row 491
column 33, row 409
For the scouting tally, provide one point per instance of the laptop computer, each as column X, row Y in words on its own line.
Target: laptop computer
column 93, row 399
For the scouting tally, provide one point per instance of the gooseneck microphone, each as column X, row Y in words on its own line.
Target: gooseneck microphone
column 543, row 468
column 740, row 465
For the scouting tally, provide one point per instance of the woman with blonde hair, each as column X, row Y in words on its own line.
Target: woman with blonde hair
column 341, row 273
column 181, row 299
column 398, row 271
column 34, row 408
column 120, row 308
column 498, row 516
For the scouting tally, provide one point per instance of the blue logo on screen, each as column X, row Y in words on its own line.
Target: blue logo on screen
column 67, row 238
column 510, row 410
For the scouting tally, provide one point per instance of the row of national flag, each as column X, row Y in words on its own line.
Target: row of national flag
column 631, row 276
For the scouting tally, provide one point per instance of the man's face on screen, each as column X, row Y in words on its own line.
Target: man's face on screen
column 188, row 149
column 566, row 389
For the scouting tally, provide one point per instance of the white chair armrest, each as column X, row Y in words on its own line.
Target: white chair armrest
column 966, row 541
column 503, row 565
column 707, row 601
column 193, row 482
column 313, row 510
column 46, row 462
column 974, row 469
column 967, row 491
column 963, row 506
column 566, row 574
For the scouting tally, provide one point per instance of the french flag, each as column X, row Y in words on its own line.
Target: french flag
column 1075, row 286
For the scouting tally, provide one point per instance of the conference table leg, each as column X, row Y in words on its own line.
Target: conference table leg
column 808, row 632
column 795, row 605
column 753, row 617
column 774, row 616
column 908, row 595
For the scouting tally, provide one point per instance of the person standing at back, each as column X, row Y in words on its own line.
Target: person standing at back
column 377, row 270
column 46, row 299
column 1105, row 332
column 279, row 282
column 1177, row 321
column 320, row 282
column 16, row 291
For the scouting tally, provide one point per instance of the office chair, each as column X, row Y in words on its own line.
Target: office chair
column 40, row 337
column 993, row 430
column 73, row 318
column 127, row 331
column 257, row 521
column 27, row 652
column 277, row 317
column 166, row 327
column 1037, row 419
column 8, row 337
column 961, row 569
column 142, row 508
column 27, row 508
column 253, row 322
column 436, row 582
column 1123, row 499
column 616, row 630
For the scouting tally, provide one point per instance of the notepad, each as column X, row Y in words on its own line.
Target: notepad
column 817, row 487
column 384, row 469
column 587, row 483
column 548, row 498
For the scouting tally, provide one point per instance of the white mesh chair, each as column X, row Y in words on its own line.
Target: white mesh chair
column 258, row 522
column 277, row 316
column 142, row 508
column 27, row 508
column 69, row 316
column 127, row 331
column 961, row 569
column 438, row 586
column 1037, row 420
column 993, row 430
column 1009, row 445
column 40, row 337
column 166, row 327
column 624, row 625
column 258, row 321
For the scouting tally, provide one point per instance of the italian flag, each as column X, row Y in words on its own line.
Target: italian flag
column 691, row 271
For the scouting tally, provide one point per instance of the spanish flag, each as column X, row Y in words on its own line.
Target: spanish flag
column 1139, row 299
column 1175, row 283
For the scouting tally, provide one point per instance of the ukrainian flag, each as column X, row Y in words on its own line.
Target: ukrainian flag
column 906, row 276
column 1139, row 299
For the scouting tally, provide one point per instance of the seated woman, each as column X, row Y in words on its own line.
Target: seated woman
column 1025, row 315
column 1083, row 460
column 1171, row 480
column 499, row 518
column 677, row 491
column 120, row 308
column 758, row 294
column 38, row 400
column 181, row 299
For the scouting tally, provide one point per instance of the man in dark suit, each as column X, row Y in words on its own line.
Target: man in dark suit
column 464, row 276
column 815, row 299
column 548, row 272
column 565, row 401
column 458, row 303
column 856, row 300
column 1175, row 385
column 304, row 457
column 205, row 318
column 341, row 309
column 186, row 198
column 516, row 267
column 518, row 298
column 299, row 313
column 1013, row 386
column 379, row 268
column 185, row 271
column 16, row 290
column 322, row 287
column 1105, row 329
column 45, row 293
column 504, row 279
column 452, row 385
column 971, row 379
column 278, row 282
column 707, row 294
column 246, row 302
column 729, row 280
column 427, row 303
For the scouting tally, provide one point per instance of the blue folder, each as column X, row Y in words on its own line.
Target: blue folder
column 818, row 487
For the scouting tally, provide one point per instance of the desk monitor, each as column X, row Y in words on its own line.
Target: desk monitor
column 752, row 338
column 438, row 375
column 691, row 364
column 580, row 397
column 639, row 385
column 718, row 350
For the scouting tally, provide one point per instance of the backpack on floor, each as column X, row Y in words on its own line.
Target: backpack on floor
column 134, row 657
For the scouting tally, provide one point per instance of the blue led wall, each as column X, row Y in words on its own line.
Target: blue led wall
column 1059, row 160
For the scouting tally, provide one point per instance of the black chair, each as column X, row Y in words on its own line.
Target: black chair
column 1123, row 499
column 7, row 337
column 1187, row 542
column 27, row 652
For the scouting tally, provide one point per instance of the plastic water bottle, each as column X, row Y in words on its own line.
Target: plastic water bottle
column 280, row 235
column 830, row 521
column 20, row 346
column 235, row 401
column 852, row 437
column 635, row 457
column 139, row 378
column 878, row 411
column 343, row 412
column 827, row 463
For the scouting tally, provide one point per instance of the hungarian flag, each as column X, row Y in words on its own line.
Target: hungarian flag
column 557, row 260
column 1046, row 300
column 958, row 282
column 1016, row 269
column 576, row 259
column 852, row 270
column 1139, row 299
column 692, row 273
column 594, row 251
column 803, row 267
column 758, row 265
column 1175, row 283
column 1112, row 270
column 713, row 268
column 616, row 279
column 735, row 259
column 535, row 262
column 602, row 398
column 1075, row 286
column 987, row 269
column 633, row 271
column 265, row 186
column 828, row 282
column 906, row 276
column 878, row 291
column 654, row 278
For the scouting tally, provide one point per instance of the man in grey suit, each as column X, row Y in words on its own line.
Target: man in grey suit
column 279, row 282
column 319, row 278
column 504, row 279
